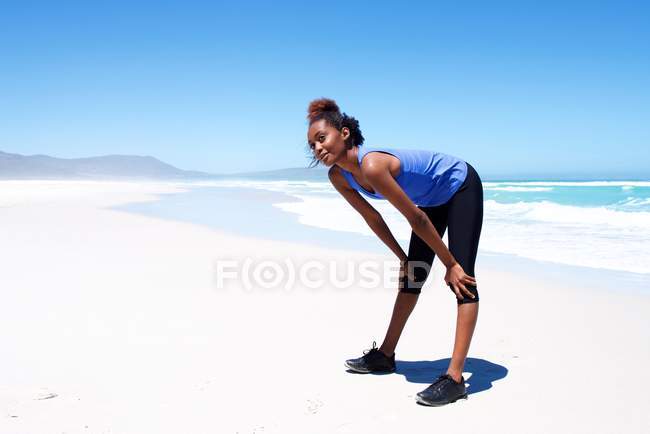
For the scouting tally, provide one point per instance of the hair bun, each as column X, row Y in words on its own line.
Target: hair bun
column 320, row 106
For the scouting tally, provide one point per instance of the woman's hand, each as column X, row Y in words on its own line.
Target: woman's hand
column 457, row 279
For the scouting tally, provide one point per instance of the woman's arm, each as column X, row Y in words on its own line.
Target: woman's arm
column 372, row 217
column 375, row 169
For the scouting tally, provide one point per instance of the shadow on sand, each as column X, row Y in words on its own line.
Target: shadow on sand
column 483, row 373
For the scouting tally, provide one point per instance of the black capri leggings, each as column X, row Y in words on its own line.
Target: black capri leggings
column 463, row 214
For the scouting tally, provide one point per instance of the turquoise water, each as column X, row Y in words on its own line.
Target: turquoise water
column 617, row 195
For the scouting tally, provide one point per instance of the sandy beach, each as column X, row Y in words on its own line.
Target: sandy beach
column 113, row 322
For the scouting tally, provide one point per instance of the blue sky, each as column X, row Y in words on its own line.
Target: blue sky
column 515, row 88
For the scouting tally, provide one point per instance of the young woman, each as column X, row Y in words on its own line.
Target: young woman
column 433, row 191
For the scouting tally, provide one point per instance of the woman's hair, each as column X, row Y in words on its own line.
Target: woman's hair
column 325, row 108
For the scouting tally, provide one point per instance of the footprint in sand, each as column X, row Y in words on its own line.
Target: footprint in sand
column 313, row 405
column 205, row 385
column 19, row 398
column 45, row 394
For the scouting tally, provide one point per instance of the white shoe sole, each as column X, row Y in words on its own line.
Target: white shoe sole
column 427, row 403
column 357, row 370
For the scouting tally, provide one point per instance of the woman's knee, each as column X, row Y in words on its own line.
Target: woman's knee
column 466, row 298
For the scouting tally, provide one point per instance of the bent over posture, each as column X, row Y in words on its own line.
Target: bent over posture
column 434, row 192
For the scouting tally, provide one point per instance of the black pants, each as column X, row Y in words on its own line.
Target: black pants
column 463, row 215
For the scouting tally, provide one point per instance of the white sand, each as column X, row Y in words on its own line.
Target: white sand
column 112, row 323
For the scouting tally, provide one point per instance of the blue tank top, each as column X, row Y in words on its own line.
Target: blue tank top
column 428, row 178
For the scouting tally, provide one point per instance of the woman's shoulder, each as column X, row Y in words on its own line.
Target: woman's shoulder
column 380, row 161
column 338, row 176
column 335, row 171
column 376, row 157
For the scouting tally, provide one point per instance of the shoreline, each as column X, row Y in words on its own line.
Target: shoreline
column 291, row 230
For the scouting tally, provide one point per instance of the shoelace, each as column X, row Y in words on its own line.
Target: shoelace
column 442, row 379
column 374, row 348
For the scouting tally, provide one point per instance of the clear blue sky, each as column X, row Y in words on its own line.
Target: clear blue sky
column 512, row 87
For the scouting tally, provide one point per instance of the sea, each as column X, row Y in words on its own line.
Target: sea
column 583, row 226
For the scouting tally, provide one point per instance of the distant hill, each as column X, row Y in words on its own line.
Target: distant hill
column 128, row 167
column 16, row 166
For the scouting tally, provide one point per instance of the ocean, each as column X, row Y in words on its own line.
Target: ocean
column 595, row 224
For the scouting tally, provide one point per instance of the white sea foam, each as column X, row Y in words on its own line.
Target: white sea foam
column 614, row 237
column 587, row 236
column 592, row 237
column 515, row 188
column 570, row 183
column 633, row 203
column 335, row 213
column 556, row 214
column 283, row 186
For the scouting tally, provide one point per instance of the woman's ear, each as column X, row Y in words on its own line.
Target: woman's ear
column 345, row 132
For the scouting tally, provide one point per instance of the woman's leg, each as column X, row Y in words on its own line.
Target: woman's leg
column 465, row 222
column 404, row 304
column 420, row 256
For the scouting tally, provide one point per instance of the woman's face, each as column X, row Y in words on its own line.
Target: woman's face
column 326, row 142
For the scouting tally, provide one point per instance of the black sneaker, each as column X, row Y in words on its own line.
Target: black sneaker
column 443, row 391
column 373, row 360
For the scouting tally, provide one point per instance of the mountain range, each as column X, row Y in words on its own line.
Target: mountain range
column 126, row 167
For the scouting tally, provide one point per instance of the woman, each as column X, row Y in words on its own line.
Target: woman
column 433, row 191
